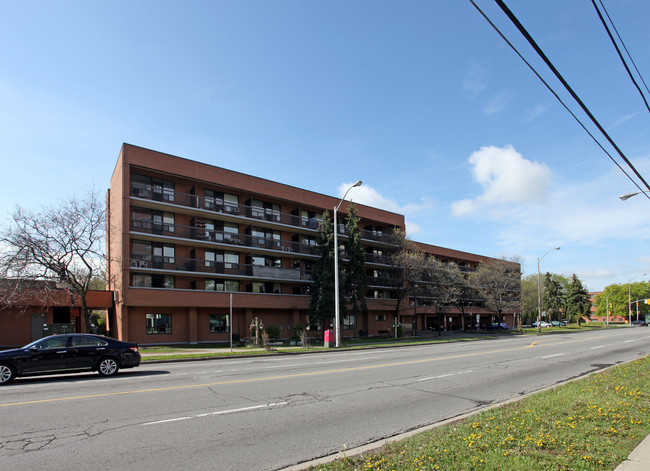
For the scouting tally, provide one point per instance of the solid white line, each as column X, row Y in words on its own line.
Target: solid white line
column 444, row 376
column 551, row 356
column 168, row 420
column 222, row 412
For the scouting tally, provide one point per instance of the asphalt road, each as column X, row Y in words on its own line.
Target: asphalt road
column 269, row 413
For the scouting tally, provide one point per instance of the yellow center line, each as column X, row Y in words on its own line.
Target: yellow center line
column 297, row 375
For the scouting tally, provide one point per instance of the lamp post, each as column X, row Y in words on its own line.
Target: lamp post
column 629, row 299
column 337, row 320
column 539, row 292
column 627, row 196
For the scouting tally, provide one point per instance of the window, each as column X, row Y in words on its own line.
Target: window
column 149, row 187
column 151, row 220
column 153, row 281
column 265, row 238
column 212, row 284
column 219, row 323
column 231, row 203
column 349, row 321
column 86, row 342
column 266, row 287
column 381, row 317
column 159, row 323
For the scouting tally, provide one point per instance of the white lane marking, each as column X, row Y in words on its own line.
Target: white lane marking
column 221, row 412
column 628, row 341
column 551, row 356
column 596, row 348
column 445, row 375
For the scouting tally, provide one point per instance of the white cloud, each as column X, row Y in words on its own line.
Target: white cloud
column 506, row 177
column 368, row 196
column 536, row 112
column 497, row 103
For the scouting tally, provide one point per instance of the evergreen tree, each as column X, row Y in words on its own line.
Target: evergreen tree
column 355, row 278
column 554, row 298
column 321, row 307
column 578, row 302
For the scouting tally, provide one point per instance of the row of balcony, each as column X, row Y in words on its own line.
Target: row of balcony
column 159, row 262
column 147, row 226
column 235, row 209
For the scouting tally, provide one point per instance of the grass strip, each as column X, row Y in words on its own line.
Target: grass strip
column 591, row 423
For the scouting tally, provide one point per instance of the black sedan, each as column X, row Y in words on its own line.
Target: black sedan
column 68, row 353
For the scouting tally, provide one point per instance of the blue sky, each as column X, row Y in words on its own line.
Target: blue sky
column 421, row 100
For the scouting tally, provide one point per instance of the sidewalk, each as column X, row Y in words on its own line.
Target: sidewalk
column 639, row 459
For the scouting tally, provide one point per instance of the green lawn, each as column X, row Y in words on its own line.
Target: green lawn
column 588, row 424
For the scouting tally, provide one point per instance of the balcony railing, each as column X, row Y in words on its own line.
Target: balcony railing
column 193, row 265
column 240, row 210
column 221, row 237
column 382, row 282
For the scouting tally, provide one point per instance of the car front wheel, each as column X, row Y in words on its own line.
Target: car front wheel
column 7, row 374
column 108, row 366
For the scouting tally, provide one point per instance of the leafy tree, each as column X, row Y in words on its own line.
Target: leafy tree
column 578, row 302
column 321, row 307
column 498, row 282
column 355, row 279
column 618, row 296
column 529, row 300
column 63, row 244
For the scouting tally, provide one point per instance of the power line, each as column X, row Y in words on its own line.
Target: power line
column 611, row 38
column 550, row 89
column 550, row 65
column 624, row 46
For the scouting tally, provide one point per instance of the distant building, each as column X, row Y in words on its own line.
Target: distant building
column 188, row 240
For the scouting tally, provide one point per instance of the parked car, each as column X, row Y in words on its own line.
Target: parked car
column 543, row 324
column 639, row 323
column 500, row 326
column 68, row 353
column 558, row 323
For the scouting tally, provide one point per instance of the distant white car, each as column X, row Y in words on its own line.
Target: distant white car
column 543, row 324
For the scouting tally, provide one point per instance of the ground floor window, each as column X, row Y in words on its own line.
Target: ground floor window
column 159, row 323
column 219, row 323
column 349, row 321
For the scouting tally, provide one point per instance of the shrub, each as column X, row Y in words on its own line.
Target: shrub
column 273, row 332
column 296, row 332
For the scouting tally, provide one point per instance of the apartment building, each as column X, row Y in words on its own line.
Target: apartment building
column 192, row 246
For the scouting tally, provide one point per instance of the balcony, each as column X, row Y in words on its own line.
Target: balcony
column 177, row 198
column 375, row 281
column 202, row 234
column 145, row 262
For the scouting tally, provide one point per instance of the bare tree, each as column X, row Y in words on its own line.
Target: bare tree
column 63, row 244
column 498, row 283
column 409, row 262
column 444, row 287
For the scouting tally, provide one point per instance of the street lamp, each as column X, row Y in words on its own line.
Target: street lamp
column 337, row 321
column 629, row 298
column 539, row 292
column 627, row 196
